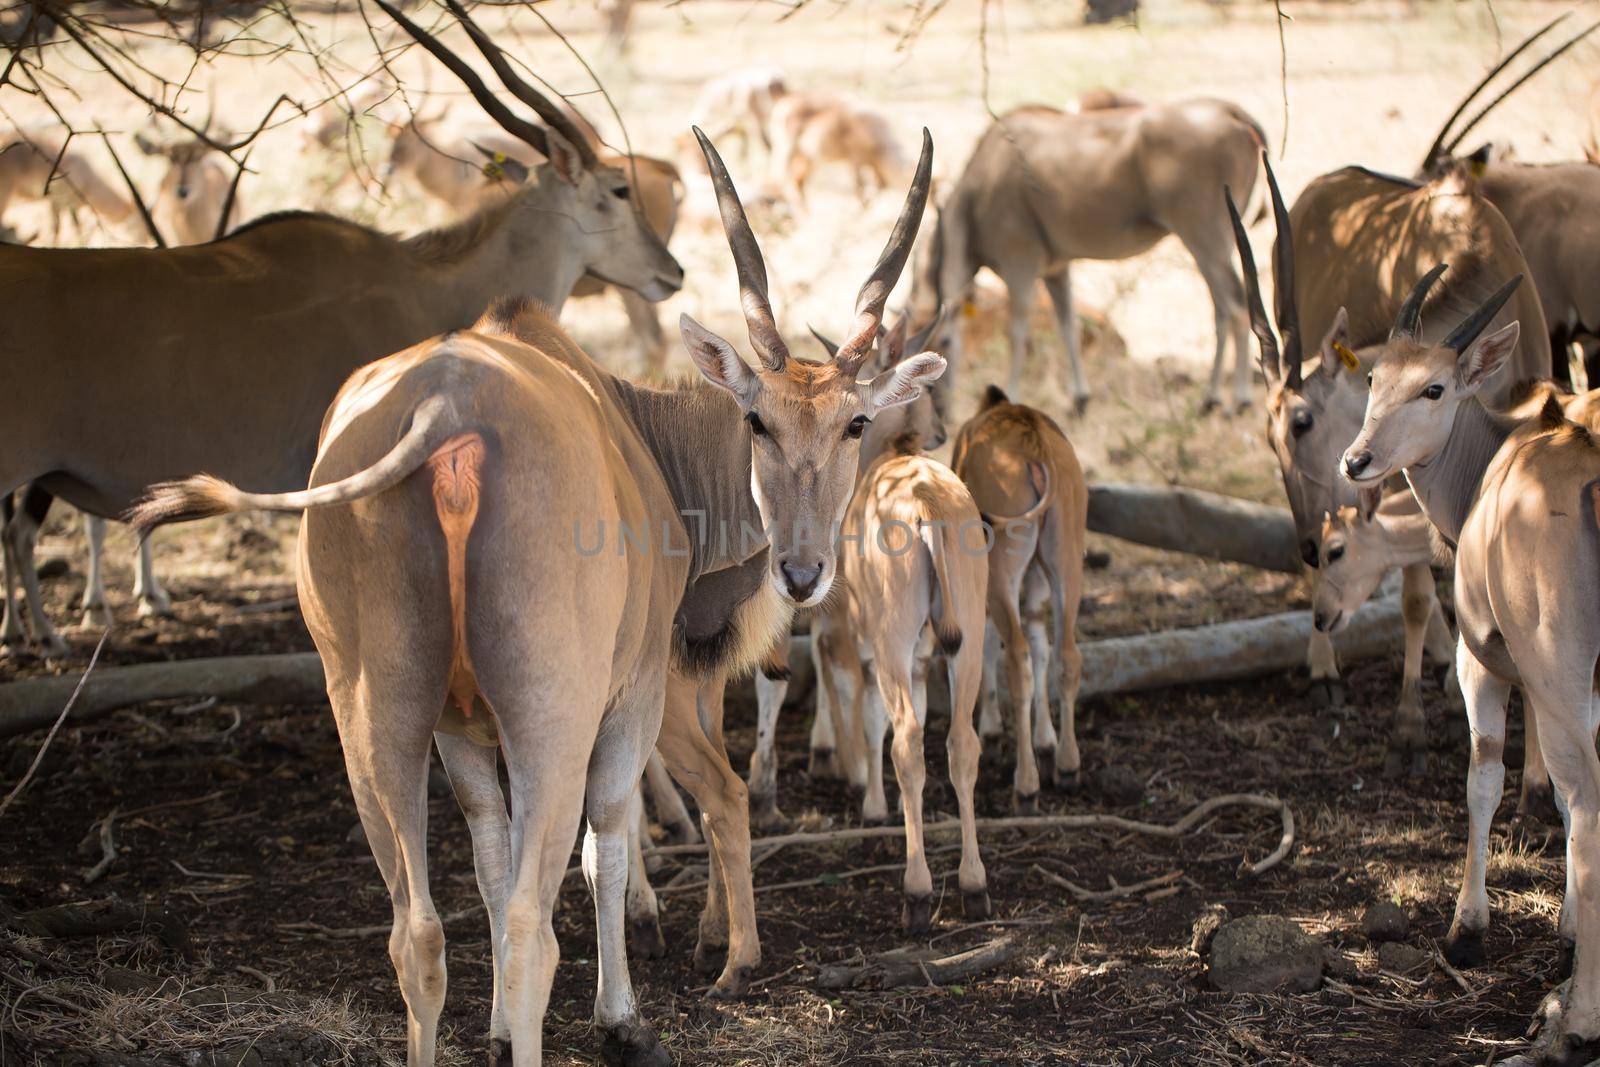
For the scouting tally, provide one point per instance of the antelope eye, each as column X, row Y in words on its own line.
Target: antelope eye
column 622, row 192
column 857, row 426
column 1335, row 553
column 1434, row 391
column 757, row 427
column 1301, row 423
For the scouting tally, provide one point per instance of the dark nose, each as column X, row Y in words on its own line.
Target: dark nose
column 183, row 192
column 1354, row 465
column 1319, row 620
column 1308, row 552
column 801, row 579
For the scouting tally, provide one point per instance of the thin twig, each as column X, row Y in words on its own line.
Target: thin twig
column 1283, row 75
column 1116, row 892
column 108, row 850
column 51, row 736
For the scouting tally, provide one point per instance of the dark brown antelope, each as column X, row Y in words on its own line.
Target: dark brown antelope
column 1519, row 501
column 1044, row 187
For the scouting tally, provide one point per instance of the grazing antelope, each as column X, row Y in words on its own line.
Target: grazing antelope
column 918, row 419
column 809, row 130
column 1352, row 240
column 1520, row 504
column 439, row 160
column 1025, row 476
column 1045, row 187
column 1550, row 207
column 190, row 389
column 437, row 469
column 37, row 164
column 198, row 200
column 740, row 103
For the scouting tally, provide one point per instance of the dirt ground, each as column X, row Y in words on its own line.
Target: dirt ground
column 236, row 820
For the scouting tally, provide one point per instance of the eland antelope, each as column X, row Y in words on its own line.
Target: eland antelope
column 475, row 474
column 38, row 164
column 740, row 102
column 1341, row 262
column 198, row 199
column 1552, row 209
column 1519, row 501
column 128, row 387
column 1025, row 476
column 1044, row 187
column 809, row 130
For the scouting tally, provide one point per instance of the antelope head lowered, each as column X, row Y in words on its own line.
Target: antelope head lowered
column 806, row 418
column 1309, row 416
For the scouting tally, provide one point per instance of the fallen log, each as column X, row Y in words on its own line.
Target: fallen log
column 1197, row 522
column 289, row 678
column 1220, row 652
column 1227, row 651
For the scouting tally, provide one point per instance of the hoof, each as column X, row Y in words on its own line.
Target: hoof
column 1243, row 407
column 632, row 1044
column 976, row 905
column 97, row 618
column 499, row 1052
column 153, row 609
column 1025, row 805
column 764, row 814
column 1044, row 757
column 1096, row 559
column 1209, row 404
column 644, row 938
column 916, row 914
column 1327, row 692
column 708, row 958
column 1539, row 803
column 1069, row 782
column 824, row 763
column 1464, row 948
column 732, row 985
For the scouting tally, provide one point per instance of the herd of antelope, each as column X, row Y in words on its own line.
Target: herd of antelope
column 454, row 453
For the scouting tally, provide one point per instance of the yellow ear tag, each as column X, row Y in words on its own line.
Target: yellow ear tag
column 1347, row 357
column 969, row 309
column 492, row 168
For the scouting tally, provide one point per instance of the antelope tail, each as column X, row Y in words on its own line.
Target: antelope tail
column 1040, row 476
column 942, row 541
column 203, row 495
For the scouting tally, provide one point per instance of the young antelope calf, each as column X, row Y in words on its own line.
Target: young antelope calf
column 1026, row 479
column 917, row 575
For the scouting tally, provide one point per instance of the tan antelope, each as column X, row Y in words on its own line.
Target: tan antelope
column 437, row 469
column 1025, row 476
column 1346, row 254
column 811, row 130
column 912, row 584
column 1044, row 187
column 198, row 199
column 189, row 389
column 38, row 164
column 1554, row 210
column 1520, row 504
column 450, row 165
column 830, row 628
column 740, row 103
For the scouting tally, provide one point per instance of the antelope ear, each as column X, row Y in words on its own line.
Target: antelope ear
column 1367, row 502
column 903, row 382
column 564, row 159
column 718, row 362
column 1487, row 355
column 497, row 166
column 1335, row 348
column 146, row 145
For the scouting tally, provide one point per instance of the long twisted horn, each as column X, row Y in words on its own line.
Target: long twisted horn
column 1260, row 325
column 875, row 291
column 555, row 117
column 1437, row 148
column 1537, row 67
column 1471, row 326
column 1283, row 281
column 747, row 262
column 1408, row 323
column 518, row 127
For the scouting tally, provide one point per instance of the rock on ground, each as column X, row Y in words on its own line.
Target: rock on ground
column 1385, row 921
column 1265, row 954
